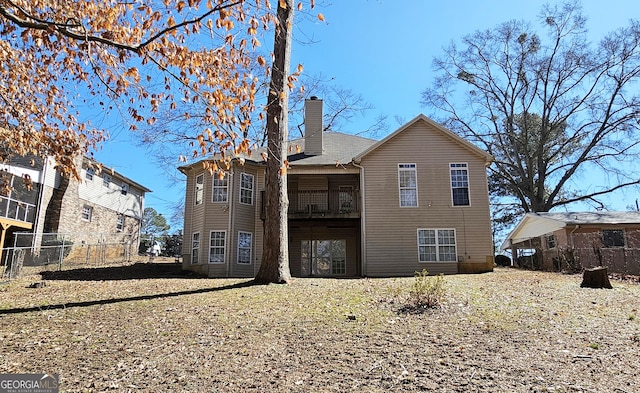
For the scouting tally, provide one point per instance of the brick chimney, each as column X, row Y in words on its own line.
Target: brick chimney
column 313, row 145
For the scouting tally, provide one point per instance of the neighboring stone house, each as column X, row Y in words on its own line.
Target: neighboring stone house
column 576, row 240
column 416, row 200
column 103, row 207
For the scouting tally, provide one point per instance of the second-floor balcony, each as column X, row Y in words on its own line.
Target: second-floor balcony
column 19, row 211
column 342, row 203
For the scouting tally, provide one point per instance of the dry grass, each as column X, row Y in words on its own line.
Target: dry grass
column 506, row 331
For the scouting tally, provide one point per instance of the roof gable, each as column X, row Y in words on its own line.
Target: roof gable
column 439, row 128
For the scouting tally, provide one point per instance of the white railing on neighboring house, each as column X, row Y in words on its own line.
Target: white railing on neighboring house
column 17, row 210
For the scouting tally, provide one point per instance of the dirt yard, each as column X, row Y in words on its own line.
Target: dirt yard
column 150, row 328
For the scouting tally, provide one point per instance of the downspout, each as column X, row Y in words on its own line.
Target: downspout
column 571, row 235
column 363, row 226
column 227, row 255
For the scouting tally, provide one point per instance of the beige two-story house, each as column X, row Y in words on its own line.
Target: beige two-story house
column 417, row 199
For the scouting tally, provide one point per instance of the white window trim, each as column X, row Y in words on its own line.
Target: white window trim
column 89, row 174
column 415, row 170
column 455, row 236
column 224, row 255
column 252, row 189
column 89, row 209
column 195, row 195
column 466, row 168
column 124, row 188
column 250, row 248
column 106, row 180
column 193, row 248
column 120, row 222
column 226, row 187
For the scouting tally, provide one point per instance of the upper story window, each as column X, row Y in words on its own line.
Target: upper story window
column 106, row 180
column 437, row 245
column 87, row 211
column 613, row 237
column 219, row 191
column 246, row 188
column 124, row 190
column 199, row 189
column 459, row 184
column 89, row 174
column 408, row 185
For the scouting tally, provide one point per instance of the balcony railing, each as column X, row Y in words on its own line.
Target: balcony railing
column 17, row 210
column 322, row 203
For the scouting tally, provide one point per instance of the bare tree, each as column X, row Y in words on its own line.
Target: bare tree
column 550, row 108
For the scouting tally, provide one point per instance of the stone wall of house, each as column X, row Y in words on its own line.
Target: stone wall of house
column 101, row 229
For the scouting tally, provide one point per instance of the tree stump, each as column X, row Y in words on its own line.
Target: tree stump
column 596, row 277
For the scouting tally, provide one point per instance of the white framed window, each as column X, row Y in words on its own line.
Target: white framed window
column 89, row 174
column 324, row 257
column 124, row 189
column 120, row 223
column 408, row 185
column 246, row 188
column 106, row 180
column 245, row 240
column 217, row 246
column 195, row 248
column 87, row 211
column 220, row 188
column 437, row 245
column 199, row 191
column 459, row 184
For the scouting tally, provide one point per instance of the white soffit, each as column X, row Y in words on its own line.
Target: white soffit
column 532, row 226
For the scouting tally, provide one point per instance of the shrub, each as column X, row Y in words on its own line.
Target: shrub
column 426, row 292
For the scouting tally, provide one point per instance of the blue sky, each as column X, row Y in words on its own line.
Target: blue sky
column 381, row 49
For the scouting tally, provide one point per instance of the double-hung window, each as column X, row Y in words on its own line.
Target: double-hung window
column 459, row 184
column 199, row 189
column 125, row 189
column 195, row 248
column 87, row 211
column 246, row 189
column 437, row 245
column 120, row 223
column 106, row 180
column 89, row 174
column 219, row 190
column 613, row 237
column 217, row 246
column 408, row 185
column 244, row 247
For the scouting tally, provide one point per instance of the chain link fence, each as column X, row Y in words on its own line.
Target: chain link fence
column 32, row 253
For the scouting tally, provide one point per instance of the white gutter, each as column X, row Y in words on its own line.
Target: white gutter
column 363, row 226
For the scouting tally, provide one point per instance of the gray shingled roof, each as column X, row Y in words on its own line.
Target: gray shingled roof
column 338, row 148
column 583, row 218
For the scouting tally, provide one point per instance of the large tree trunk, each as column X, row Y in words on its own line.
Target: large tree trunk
column 275, row 254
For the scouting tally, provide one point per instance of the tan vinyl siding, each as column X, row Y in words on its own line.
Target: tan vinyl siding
column 391, row 237
column 244, row 216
